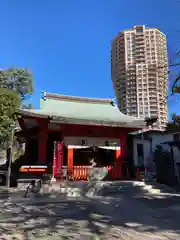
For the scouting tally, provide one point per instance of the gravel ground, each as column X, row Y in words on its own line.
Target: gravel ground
column 56, row 216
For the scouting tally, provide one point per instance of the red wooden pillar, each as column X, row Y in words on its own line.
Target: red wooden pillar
column 70, row 160
column 42, row 141
column 118, row 167
column 123, row 145
column 118, row 153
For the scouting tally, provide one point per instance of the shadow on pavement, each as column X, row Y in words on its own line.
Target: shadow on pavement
column 129, row 213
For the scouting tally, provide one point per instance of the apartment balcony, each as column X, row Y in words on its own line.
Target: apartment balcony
column 121, row 77
column 162, row 81
column 153, row 69
column 131, row 93
column 132, row 97
column 121, row 52
column 140, row 60
column 161, row 74
column 152, row 83
column 152, row 91
column 139, row 52
column 152, row 75
column 140, row 46
column 131, row 104
column 140, row 57
column 139, row 37
column 152, row 97
column 155, row 89
column 153, row 106
column 131, row 101
column 153, row 114
column 139, row 41
column 130, row 88
column 152, row 86
column 131, row 84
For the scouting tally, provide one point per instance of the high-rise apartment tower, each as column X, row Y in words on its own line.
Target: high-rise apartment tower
column 139, row 71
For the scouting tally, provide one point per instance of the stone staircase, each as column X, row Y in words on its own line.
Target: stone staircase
column 134, row 187
column 68, row 189
column 75, row 189
column 99, row 188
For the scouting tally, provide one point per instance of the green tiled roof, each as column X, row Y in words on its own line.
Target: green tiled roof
column 70, row 109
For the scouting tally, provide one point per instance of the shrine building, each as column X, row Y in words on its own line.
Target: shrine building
column 67, row 132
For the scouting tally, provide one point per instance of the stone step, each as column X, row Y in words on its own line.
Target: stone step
column 104, row 188
column 129, row 187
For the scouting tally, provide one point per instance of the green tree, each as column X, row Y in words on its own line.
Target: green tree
column 18, row 80
column 16, row 85
column 9, row 103
column 27, row 106
column 174, row 124
column 174, row 117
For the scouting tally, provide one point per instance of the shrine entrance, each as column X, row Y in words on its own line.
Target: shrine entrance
column 102, row 156
column 77, row 159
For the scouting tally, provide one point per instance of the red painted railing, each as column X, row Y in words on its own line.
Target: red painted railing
column 81, row 173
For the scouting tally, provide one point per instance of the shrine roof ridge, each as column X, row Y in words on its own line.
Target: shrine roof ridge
column 77, row 98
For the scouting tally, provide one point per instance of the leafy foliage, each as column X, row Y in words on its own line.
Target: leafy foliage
column 9, row 102
column 16, row 84
column 17, row 152
column 175, row 123
column 18, row 80
column 164, row 165
column 27, row 106
column 160, row 154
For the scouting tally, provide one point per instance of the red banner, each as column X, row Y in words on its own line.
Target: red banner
column 58, row 158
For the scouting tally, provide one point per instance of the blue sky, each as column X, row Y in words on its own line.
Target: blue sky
column 66, row 43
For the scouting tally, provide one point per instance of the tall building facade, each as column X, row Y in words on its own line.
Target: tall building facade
column 139, row 71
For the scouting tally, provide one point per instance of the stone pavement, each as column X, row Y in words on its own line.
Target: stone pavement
column 129, row 213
